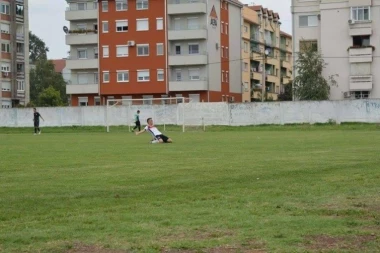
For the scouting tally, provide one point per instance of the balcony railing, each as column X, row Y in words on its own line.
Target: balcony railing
column 186, row 28
column 188, row 54
column 188, row 79
column 87, row 7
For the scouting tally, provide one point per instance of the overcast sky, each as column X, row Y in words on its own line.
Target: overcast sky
column 47, row 18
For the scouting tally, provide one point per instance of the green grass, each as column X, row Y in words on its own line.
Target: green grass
column 278, row 189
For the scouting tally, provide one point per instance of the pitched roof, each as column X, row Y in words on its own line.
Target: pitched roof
column 59, row 65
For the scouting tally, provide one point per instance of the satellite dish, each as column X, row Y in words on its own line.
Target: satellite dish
column 65, row 29
column 267, row 51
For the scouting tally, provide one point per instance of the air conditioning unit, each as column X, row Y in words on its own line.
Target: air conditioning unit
column 347, row 94
column 351, row 21
column 131, row 43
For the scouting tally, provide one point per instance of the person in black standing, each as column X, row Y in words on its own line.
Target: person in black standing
column 137, row 121
column 36, row 119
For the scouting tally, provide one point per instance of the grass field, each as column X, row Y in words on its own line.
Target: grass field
column 249, row 189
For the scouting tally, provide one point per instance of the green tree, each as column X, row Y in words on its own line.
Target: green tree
column 49, row 97
column 44, row 76
column 309, row 84
column 288, row 93
column 37, row 49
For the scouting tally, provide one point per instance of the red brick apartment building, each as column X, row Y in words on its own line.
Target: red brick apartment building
column 153, row 49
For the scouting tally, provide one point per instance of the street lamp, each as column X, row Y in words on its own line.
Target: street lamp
column 267, row 51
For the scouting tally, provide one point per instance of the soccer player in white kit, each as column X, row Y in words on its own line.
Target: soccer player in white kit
column 158, row 137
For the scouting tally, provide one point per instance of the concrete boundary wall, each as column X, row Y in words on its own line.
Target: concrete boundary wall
column 196, row 113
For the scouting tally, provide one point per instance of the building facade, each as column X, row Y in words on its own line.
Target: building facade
column 260, row 32
column 14, row 57
column 345, row 32
column 157, row 49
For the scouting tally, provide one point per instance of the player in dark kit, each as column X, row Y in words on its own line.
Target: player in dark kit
column 36, row 119
column 137, row 121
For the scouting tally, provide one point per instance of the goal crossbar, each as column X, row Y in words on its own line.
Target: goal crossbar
column 147, row 102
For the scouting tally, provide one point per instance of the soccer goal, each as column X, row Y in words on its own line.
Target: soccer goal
column 170, row 113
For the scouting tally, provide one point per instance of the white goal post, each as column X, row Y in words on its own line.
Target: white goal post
column 164, row 111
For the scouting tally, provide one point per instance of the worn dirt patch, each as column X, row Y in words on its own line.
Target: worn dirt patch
column 80, row 248
column 325, row 242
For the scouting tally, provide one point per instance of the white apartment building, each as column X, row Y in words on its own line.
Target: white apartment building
column 82, row 38
column 346, row 32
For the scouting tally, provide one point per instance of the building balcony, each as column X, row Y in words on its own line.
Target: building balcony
column 82, row 89
column 189, row 59
column 188, row 85
column 82, row 38
column 257, row 76
column 73, row 14
column 273, row 61
column 177, row 7
column 271, row 78
column 286, row 64
column 256, row 54
column 82, row 64
column 360, row 28
column 188, row 34
column 285, row 79
column 361, row 83
column 358, row 55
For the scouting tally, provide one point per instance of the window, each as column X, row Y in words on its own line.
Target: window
column 159, row 23
column 81, row 27
column 222, row 51
column 122, row 51
column 360, row 94
column 5, row 28
column 245, row 46
column 20, row 48
column 6, row 86
column 105, row 52
column 121, row 5
column 5, row 9
column 222, row 27
column 177, row 24
column 306, row 21
column 83, row 101
column 226, row 53
column 142, row 4
column 143, row 75
column 361, row 13
column 20, row 67
column 361, row 41
column 122, row 76
column 177, row 49
column 194, row 74
column 106, row 76
column 121, row 25
column 245, row 66
column 5, row 67
column 142, row 24
column 148, row 99
column 19, row 10
column 226, row 28
column 5, row 47
column 222, row 75
column 96, row 78
column 97, row 101
column 6, row 104
column 105, row 26
column 160, row 75
column 193, row 49
column 227, row 77
column 81, row 6
column 143, row 50
column 178, row 75
column 245, row 29
column 82, row 53
column 104, row 6
column 306, row 44
column 96, row 53
column 160, row 49
column 192, row 23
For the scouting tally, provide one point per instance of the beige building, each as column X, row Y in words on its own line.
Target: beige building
column 261, row 33
column 346, row 33
column 14, row 57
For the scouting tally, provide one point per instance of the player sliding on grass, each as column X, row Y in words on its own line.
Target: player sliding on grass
column 158, row 137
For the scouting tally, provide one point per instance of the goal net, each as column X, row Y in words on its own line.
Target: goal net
column 169, row 113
